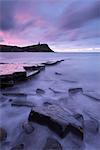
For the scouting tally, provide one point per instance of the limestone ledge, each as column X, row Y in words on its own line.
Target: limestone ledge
column 13, row 73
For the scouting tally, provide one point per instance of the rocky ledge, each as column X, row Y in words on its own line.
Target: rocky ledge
column 56, row 118
column 14, row 73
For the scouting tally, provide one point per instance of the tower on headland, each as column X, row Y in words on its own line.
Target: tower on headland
column 39, row 43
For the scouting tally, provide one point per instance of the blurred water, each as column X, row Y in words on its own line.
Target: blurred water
column 78, row 70
column 25, row 57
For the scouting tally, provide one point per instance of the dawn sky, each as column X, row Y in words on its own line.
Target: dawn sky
column 63, row 24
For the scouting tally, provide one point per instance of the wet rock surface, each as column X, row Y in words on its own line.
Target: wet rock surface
column 21, row 103
column 52, row 62
column 75, row 90
column 21, row 72
column 52, row 144
column 57, row 119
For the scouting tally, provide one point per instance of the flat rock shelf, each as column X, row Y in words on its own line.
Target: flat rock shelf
column 14, row 73
column 56, row 118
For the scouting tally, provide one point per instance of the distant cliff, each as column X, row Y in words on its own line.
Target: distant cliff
column 32, row 48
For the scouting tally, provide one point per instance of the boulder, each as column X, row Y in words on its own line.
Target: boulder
column 3, row 134
column 56, row 118
column 40, row 91
column 75, row 90
column 52, row 144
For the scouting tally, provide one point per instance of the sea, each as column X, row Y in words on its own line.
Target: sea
column 78, row 70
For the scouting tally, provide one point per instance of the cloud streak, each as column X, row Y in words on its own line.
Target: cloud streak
column 6, row 17
column 78, row 15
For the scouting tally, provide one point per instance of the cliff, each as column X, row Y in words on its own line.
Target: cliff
column 32, row 48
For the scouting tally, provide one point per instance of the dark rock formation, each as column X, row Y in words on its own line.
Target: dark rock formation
column 79, row 117
column 31, row 68
column 52, row 144
column 14, row 94
column 75, row 90
column 57, row 73
column 40, row 91
column 32, row 48
column 49, row 63
column 27, row 71
column 57, row 119
column 3, row 134
column 6, row 81
column 19, row 76
column 9, row 80
column 47, row 103
column 22, row 103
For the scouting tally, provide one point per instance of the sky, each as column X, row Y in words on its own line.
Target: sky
column 65, row 25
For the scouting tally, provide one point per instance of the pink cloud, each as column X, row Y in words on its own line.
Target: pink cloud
column 22, row 17
column 11, row 39
column 39, row 21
